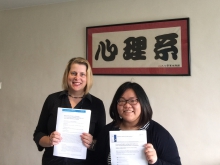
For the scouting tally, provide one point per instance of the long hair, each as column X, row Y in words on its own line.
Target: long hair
column 146, row 111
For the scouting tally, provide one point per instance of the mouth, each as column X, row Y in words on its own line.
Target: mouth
column 128, row 111
column 76, row 83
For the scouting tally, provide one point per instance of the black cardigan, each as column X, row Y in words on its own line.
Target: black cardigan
column 47, row 121
column 157, row 135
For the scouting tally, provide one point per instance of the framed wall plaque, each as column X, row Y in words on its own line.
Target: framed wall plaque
column 144, row 48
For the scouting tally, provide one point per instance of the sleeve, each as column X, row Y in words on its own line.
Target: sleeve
column 101, row 122
column 41, row 128
column 166, row 149
column 102, row 148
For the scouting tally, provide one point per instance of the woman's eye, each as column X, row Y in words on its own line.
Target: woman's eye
column 83, row 75
column 73, row 73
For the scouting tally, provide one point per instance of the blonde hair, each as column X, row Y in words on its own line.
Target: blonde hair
column 89, row 75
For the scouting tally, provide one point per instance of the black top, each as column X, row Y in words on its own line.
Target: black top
column 47, row 121
column 157, row 135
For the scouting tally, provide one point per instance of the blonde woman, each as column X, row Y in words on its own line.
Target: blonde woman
column 77, row 81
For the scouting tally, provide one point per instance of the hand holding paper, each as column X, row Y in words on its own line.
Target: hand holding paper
column 150, row 153
column 87, row 139
column 55, row 138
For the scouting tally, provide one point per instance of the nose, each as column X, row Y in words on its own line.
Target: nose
column 76, row 76
column 127, row 104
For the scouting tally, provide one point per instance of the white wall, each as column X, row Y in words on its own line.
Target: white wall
column 37, row 42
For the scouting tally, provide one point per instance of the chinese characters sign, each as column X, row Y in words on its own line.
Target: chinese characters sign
column 146, row 48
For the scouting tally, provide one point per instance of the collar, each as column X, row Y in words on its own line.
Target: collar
column 146, row 126
column 65, row 94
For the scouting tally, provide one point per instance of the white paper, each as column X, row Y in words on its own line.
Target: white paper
column 127, row 147
column 71, row 123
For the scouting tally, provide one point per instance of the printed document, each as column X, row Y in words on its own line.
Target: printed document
column 127, row 147
column 71, row 123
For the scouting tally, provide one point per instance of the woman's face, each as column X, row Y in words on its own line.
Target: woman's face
column 129, row 113
column 77, row 78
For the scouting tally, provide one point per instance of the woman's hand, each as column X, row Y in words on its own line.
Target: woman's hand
column 150, row 153
column 87, row 139
column 54, row 138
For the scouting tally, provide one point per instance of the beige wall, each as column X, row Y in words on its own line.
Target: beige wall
column 37, row 42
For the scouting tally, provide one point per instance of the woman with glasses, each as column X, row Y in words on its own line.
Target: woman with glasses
column 130, row 110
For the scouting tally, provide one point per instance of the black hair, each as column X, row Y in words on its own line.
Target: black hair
column 146, row 111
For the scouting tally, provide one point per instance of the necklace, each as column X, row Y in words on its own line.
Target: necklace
column 75, row 96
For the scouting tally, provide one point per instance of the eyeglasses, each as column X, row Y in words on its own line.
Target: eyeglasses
column 122, row 102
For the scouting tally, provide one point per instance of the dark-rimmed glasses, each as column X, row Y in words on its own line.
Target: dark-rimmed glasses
column 122, row 102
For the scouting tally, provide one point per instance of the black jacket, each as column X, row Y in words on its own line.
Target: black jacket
column 47, row 121
column 157, row 135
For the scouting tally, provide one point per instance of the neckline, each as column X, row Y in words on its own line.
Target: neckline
column 75, row 97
